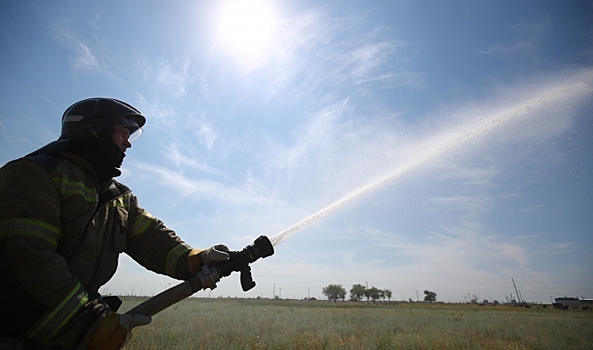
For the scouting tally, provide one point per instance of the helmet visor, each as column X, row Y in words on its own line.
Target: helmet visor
column 131, row 124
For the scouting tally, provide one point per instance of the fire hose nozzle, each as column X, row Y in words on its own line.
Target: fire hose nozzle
column 264, row 247
column 209, row 276
column 239, row 261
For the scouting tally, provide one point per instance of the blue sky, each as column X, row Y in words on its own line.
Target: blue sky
column 462, row 130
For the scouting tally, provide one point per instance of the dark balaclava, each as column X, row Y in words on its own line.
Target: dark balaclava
column 101, row 152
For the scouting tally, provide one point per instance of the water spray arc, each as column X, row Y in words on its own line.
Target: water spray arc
column 446, row 142
column 264, row 247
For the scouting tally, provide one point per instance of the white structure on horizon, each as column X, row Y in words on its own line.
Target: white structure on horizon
column 574, row 302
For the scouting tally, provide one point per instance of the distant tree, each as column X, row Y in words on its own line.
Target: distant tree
column 430, row 296
column 388, row 294
column 367, row 293
column 475, row 299
column 374, row 293
column 357, row 292
column 334, row 292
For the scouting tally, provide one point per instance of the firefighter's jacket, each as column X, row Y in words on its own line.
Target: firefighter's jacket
column 60, row 237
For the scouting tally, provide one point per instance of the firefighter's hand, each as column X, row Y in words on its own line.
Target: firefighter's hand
column 116, row 330
column 198, row 257
column 215, row 254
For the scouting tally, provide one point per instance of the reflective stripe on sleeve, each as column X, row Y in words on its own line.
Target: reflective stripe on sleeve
column 175, row 253
column 30, row 227
column 141, row 224
column 68, row 187
column 121, row 202
column 48, row 327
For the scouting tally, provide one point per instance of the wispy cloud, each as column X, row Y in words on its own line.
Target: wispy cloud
column 523, row 46
column 169, row 77
column 181, row 161
column 319, row 129
column 505, row 252
column 162, row 112
column 562, row 246
column 528, row 34
column 2, row 126
column 475, row 203
column 468, row 176
column 205, row 132
column 533, row 208
column 364, row 59
column 456, row 247
column 317, row 51
column 203, row 189
column 522, row 237
column 84, row 59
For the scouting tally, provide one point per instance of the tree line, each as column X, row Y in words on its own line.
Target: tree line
column 358, row 292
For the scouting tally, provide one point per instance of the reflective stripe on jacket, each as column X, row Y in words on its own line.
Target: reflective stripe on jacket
column 59, row 243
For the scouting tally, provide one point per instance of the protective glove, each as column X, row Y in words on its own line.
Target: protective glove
column 116, row 330
column 200, row 257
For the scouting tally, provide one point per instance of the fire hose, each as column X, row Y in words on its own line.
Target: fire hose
column 207, row 278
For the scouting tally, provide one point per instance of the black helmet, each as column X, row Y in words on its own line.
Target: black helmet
column 94, row 116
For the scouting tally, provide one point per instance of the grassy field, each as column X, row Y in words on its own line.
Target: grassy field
column 266, row 324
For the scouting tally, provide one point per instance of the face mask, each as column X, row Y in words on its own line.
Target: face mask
column 102, row 153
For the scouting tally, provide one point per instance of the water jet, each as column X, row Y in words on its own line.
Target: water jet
column 450, row 140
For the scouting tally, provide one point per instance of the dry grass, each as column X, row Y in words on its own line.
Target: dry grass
column 263, row 324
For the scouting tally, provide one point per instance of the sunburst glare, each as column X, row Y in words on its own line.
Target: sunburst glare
column 246, row 27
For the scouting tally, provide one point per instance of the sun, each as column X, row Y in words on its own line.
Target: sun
column 246, row 27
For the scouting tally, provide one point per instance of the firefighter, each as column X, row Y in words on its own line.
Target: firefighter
column 64, row 220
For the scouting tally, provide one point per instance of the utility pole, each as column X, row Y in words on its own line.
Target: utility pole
column 519, row 296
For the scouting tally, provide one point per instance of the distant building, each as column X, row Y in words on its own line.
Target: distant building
column 572, row 302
